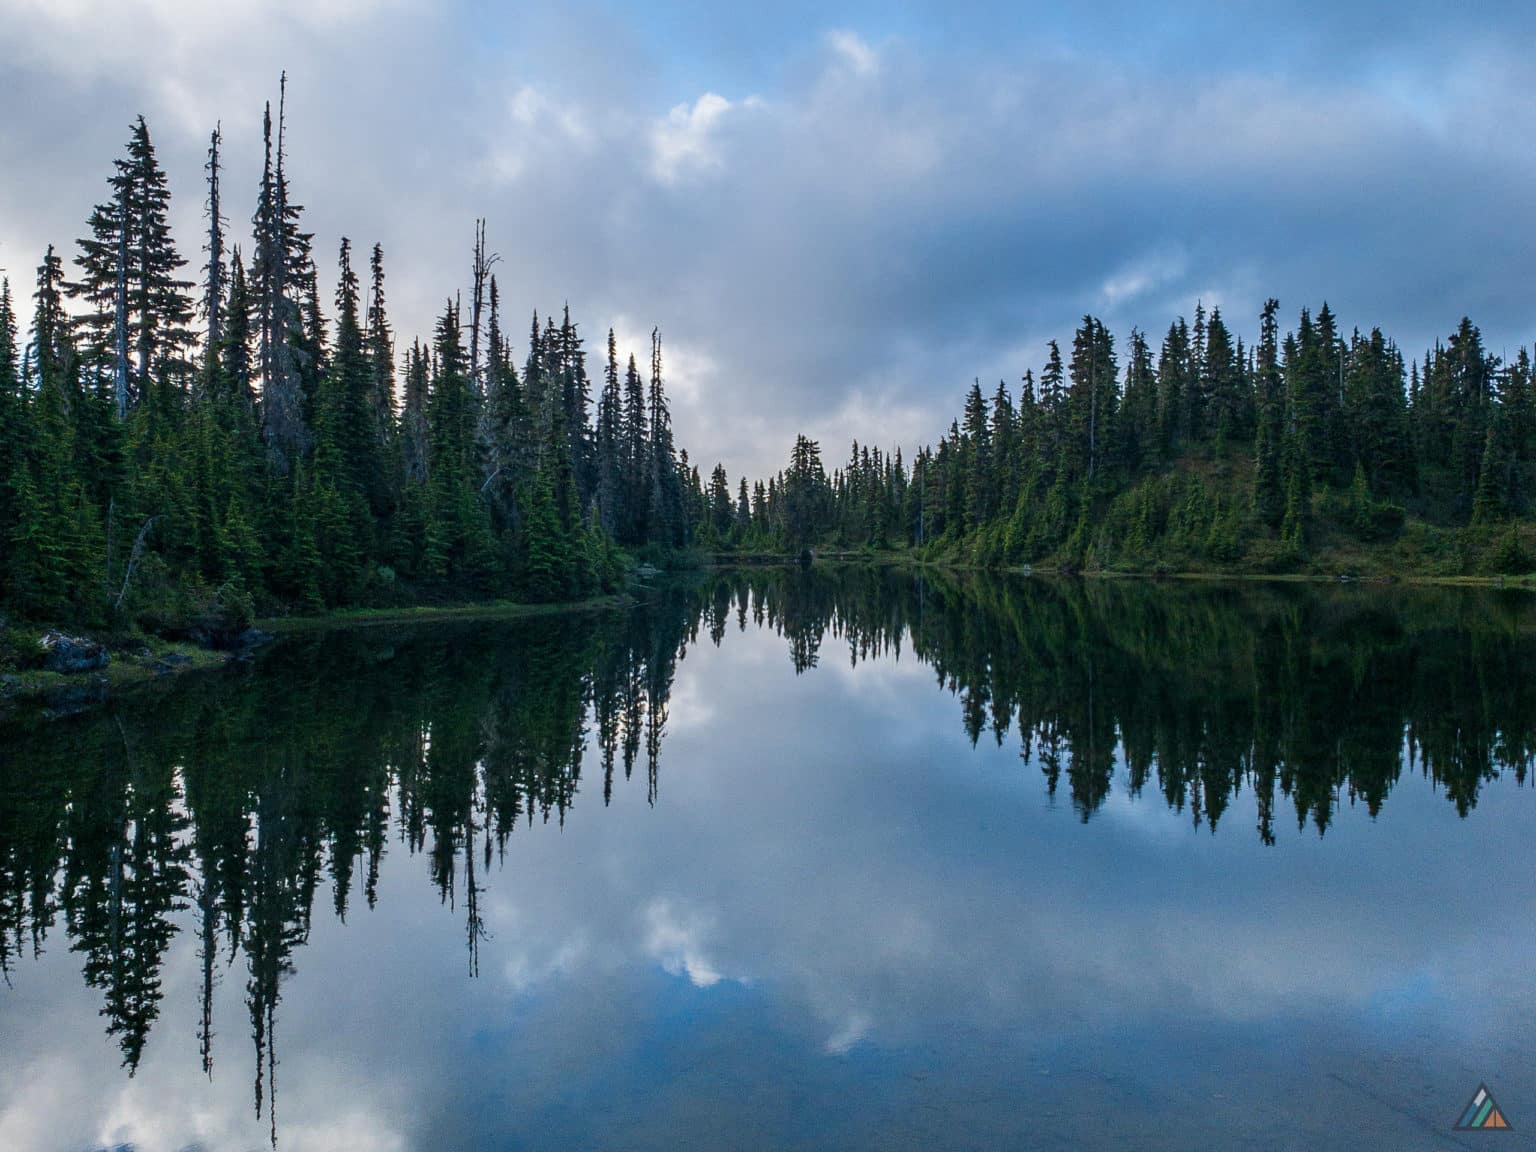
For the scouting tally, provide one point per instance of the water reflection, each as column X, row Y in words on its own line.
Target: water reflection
column 1313, row 694
column 224, row 807
column 235, row 797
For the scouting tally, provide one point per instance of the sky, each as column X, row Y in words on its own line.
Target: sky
column 838, row 215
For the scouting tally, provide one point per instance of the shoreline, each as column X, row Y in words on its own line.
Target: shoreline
column 904, row 560
column 133, row 668
column 147, row 662
column 436, row 613
column 150, row 661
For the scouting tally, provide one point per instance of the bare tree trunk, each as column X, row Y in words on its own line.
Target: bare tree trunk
column 133, row 561
column 480, row 273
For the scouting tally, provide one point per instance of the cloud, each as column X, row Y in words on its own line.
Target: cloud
column 674, row 938
column 180, row 52
column 852, row 1030
column 900, row 209
column 854, row 52
column 536, row 129
column 686, row 141
column 1135, row 280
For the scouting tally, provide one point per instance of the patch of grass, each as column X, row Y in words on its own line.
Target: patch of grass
column 427, row 614
column 136, row 662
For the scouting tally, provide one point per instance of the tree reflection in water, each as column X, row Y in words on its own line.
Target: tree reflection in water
column 232, row 799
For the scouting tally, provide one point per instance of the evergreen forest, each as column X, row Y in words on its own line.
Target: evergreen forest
column 1317, row 451
column 206, row 441
column 181, row 445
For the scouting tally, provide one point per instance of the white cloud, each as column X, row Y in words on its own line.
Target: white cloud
column 855, row 52
column 524, row 971
column 685, row 142
column 872, row 417
column 531, row 108
column 850, row 1032
column 182, row 51
column 537, row 129
column 1134, row 280
column 674, row 938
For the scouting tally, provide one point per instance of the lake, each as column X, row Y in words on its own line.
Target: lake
column 842, row 859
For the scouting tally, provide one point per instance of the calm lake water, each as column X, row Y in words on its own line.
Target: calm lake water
column 777, row 860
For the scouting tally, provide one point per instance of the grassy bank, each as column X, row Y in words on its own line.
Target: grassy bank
column 136, row 662
column 435, row 613
column 1354, row 565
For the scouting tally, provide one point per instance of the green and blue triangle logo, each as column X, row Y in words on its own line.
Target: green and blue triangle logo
column 1482, row 1113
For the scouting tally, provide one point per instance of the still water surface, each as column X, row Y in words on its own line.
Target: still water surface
column 783, row 860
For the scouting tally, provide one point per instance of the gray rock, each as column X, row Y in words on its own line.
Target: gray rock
column 72, row 654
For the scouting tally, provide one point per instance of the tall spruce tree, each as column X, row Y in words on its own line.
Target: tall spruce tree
column 137, row 323
column 1268, row 484
column 458, row 526
column 608, row 440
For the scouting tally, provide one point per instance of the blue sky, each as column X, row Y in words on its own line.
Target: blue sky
column 838, row 214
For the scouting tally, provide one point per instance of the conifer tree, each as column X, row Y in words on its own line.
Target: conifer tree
column 743, row 510
column 380, row 342
column 722, row 511
column 665, row 516
column 413, row 416
column 1093, row 398
column 213, row 273
column 14, row 434
column 1494, row 497
column 55, row 559
column 608, row 441
column 1224, row 396
column 1269, row 497
column 280, row 260
column 1136, row 432
column 458, row 529
column 138, row 317
column 979, row 473
column 1052, row 401
column 576, row 396
column 1173, row 387
column 635, row 457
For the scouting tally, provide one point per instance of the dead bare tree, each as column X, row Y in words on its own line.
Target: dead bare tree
column 480, row 274
column 133, row 561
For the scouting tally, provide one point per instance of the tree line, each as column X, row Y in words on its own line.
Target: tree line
column 176, row 444
column 1200, row 452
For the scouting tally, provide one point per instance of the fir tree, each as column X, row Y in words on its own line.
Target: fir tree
column 137, row 323
column 458, row 530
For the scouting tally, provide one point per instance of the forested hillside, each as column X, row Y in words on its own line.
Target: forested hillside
column 180, row 445
column 1316, row 450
